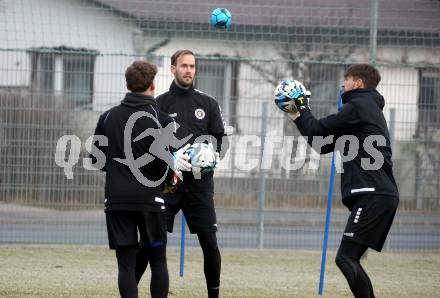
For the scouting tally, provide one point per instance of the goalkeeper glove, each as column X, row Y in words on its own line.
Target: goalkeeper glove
column 172, row 181
column 301, row 97
column 181, row 159
column 294, row 116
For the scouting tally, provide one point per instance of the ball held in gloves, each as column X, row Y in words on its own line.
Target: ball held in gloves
column 202, row 156
column 283, row 96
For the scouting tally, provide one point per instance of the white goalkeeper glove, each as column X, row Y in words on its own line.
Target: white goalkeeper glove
column 181, row 159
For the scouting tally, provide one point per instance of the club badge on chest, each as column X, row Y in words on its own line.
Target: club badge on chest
column 199, row 113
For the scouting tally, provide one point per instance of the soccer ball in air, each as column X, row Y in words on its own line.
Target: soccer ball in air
column 281, row 98
column 221, row 18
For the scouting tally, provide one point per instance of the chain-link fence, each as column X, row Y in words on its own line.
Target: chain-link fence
column 62, row 63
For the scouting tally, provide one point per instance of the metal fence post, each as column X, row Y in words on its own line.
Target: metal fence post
column 392, row 128
column 373, row 30
column 262, row 184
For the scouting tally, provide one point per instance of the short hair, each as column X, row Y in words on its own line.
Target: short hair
column 366, row 72
column 179, row 53
column 139, row 75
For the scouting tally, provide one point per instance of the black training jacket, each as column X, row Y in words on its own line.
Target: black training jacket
column 360, row 116
column 123, row 191
column 198, row 114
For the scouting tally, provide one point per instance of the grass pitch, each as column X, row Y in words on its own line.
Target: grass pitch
column 85, row 271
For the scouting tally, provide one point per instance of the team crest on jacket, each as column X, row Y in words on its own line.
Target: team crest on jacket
column 200, row 113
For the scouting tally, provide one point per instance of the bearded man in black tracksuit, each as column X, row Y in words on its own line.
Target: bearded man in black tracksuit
column 368, row 187
column 197, row 114
column 134, row 203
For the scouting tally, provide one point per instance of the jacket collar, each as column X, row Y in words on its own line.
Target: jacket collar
column 347, row 96
column 176, row 90
column 355, row 93
column 135, row 100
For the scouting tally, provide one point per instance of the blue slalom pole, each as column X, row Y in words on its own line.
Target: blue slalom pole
column 328, row 213
column 182, row 246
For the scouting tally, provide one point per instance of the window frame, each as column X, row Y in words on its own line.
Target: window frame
column 228, row 99
column 428, row 102
column 58, row 72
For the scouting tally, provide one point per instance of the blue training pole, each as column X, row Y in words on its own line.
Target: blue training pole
column 328, row 214
column 182, row 246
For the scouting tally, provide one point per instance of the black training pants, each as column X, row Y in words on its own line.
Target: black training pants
column 348, row 261
column 131, row 259
column 211, row 262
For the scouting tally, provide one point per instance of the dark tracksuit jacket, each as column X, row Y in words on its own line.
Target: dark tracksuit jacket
column 122, row 190
column 361, row 116
column 198, row 114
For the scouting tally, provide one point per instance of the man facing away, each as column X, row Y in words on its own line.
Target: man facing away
column 135, row 204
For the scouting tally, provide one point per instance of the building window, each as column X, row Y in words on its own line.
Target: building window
column 429, row 100
column 219, row 79
column 78, row 78
column 45, row 65
column 64, row 72
column 325, row 83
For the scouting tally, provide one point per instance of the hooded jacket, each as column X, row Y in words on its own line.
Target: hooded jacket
column 361, row 116
column 196, row 114
column 123, row 191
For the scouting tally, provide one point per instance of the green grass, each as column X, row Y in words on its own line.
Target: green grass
column 83, row 271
